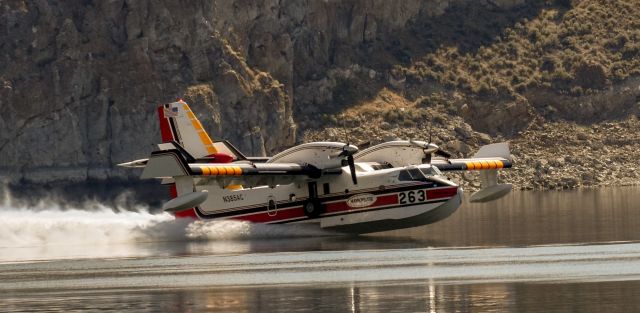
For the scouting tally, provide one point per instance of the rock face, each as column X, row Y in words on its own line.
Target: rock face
column 547, row 155
column 79, row 80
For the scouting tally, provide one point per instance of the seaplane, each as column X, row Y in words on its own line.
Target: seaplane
column 334, row 185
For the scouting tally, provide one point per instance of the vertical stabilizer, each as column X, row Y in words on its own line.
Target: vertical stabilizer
column 178, row 123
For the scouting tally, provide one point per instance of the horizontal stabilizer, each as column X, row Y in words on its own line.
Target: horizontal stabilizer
column 165, row 164
column 135, row 164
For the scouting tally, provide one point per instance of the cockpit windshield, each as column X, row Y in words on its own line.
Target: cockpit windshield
column 412, row 174
column 415, row 173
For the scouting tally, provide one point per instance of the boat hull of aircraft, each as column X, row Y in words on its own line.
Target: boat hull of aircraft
column 402, row 217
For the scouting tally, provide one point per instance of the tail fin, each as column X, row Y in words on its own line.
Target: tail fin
column 178, row 123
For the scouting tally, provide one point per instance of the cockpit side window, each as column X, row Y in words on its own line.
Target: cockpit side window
column 404, row 176
column 431, row 171
column 416, row 174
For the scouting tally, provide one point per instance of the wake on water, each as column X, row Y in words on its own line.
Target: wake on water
column 51, row 225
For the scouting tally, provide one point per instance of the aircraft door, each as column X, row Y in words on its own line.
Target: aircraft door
column 272, row 206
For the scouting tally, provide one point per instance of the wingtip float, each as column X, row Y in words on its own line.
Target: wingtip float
column 392, row 185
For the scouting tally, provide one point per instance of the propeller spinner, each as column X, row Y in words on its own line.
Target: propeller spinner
column 430, row 150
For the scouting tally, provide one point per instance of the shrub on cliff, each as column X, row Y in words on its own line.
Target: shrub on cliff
column 586, row 44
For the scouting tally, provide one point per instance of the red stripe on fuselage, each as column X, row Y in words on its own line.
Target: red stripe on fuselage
column 263, row 217
column 441, row 193
column 165, row 130
column 342, row 206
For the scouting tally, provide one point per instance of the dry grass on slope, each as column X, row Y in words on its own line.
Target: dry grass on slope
column 587, row 47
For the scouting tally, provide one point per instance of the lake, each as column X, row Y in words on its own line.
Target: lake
column 530, row 251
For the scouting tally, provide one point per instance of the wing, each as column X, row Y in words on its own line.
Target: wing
column 172, row 163
column 253, row 174
column 471, row 164
column 396, row 153
column 321, row 155
column 489, row 159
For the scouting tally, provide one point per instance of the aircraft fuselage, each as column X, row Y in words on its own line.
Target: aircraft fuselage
column 381, row 200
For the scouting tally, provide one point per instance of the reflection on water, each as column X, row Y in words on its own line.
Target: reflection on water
column 539, row 217
column 423, row 297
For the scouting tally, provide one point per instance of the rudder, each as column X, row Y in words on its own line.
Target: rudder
column 178, row 123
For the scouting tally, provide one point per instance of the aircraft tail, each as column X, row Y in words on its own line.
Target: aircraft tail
column 184, row 142
column 178, row 123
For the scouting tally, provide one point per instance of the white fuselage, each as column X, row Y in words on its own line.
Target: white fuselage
column 382, row 198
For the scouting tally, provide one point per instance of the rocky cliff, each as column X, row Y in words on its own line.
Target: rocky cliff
column 79, row 80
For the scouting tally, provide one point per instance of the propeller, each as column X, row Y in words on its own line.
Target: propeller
column 430, row 149
column 352, row 168
column 348, row 151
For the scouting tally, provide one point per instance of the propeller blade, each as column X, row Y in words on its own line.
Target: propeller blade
column 352, row 168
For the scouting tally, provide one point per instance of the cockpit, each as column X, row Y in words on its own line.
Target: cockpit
column 414, row 173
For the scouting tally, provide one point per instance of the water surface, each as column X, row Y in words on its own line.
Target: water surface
column 531, row 251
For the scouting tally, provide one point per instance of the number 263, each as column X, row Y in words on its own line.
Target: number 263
column 412, row 196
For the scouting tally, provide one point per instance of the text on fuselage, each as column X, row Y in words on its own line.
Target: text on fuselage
column 231, row 198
